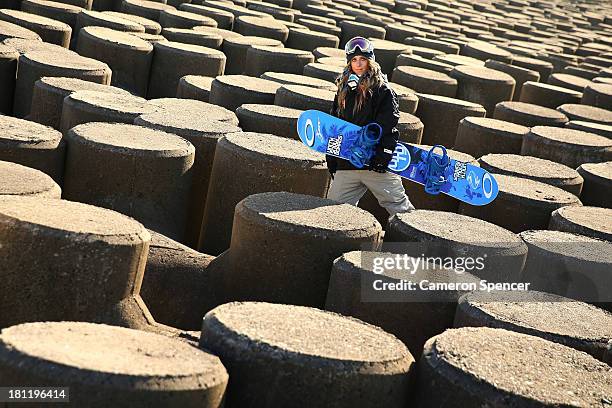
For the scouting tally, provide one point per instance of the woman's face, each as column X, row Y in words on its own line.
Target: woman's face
column 359, row 64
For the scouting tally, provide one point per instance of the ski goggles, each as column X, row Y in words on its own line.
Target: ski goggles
column 363, row 44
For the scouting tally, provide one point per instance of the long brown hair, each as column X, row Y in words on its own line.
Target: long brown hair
column 370, row 80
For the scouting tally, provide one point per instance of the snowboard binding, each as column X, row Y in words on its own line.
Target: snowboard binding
column 363, row 147
column 434, row 173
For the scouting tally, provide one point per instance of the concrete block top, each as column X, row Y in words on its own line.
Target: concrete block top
column 431, row 225
column 570, row 136
column 570, row 246
column 10, row 30
column 481, row 73
column 299, row 213
column 80, row 222
column 79, row 352
column 446, row 102
column 25, row 45
column 532, row 109
column 540, row 313
column 95, row 100
column 195, row 108
column 249, row 83
column 68, row 61
column 34, row 20
column 495, row 126
column 272, row 148
column 130, row 139
column 306, row 335
column 587, row 218
column 586, row 113
column 15, row 131
column 545, row 195
column 19, row 180
column 295, row 79
column 116, row 38
column 602, row 170
column 114, row 21
column 66, row 86
column 497, row 364
column 514, row 164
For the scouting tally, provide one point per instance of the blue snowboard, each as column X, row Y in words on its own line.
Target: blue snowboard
column 336, row 137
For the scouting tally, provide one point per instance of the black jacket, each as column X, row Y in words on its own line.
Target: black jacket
column 382, row 108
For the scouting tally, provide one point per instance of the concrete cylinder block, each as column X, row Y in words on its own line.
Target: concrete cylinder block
column 483, row 86
column 226, row 34
column 148, row 9
column 534, row 168
column 387, row 53
column 285, row 14
column 592, row 222
column 322, row 52
column 146, row 173
column 23, row 46
column 282, row 165
column 325, row 72
column 399, row 32
column 172, row 60
column 231, row 91
column 546, row 95
column 8, row 73
column 520, row 75
column 305, row 39
column 66, row 13
column 296, row 79
column 185, row 107
column 484, row 51
column 352, row 29
column 33, row 145
column 445, row 47
column 304, row 98
column 581, row 72
column 236, row 50
column 599, row 95
column 339, row 62
column 406, row 97
column 458, row 235
column 22, row 181
column 171, row 18
column 98, row 19
column 37, row 64
column 590, row 127
column 528, row 114
column 224, row 19
column 262, row 59
column 410, row 128
column 273, row 119
column 150, row 26
column 194, row 87
column 544, row 68
column 458, row 60
column 261, row 27
column 115, row 365
column 93, row 106
column 425, row 80
column 178, row 286
column 566, row 146
column 539, row 314
column 284, row 345
column 479, row 136
column 455, row 371
column 150, row 38
column 10, row 30
column 410, row 316
column 441, row 116
column 297, row 282
column 597, row 184
column 129, row 57
column 201, row 129
column 320, row 26
column 568, row 81
column 424, row 52
column 531, row 203
column 190, row 36
column 570, row 265
column 586, row 113
column 81, row 247
column 49, row 93
column 51, row 31
column 413, row 60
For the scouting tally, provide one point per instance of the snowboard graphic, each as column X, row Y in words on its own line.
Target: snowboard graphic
column 438, row 173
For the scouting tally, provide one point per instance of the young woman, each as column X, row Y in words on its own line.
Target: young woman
column 363, row 97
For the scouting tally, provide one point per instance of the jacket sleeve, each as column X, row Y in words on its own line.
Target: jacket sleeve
column 387, row 116
column 334, row 109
